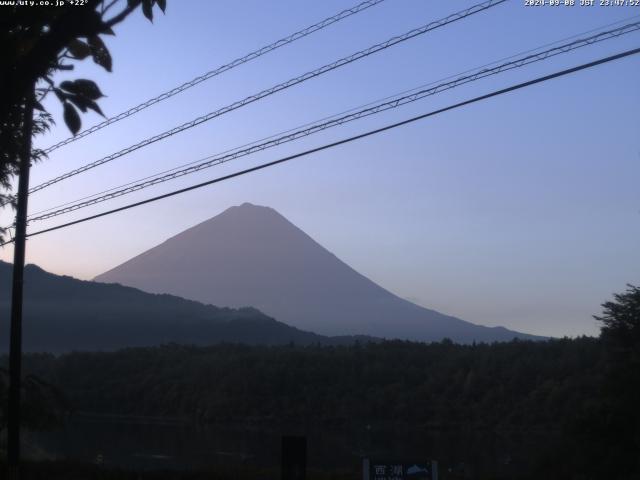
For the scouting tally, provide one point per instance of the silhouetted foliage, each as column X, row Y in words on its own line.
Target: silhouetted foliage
column 554, row 387
column 621, row 321
column 619, row 419
column 583, row 391
column 36, row 42
column 519, row 386
column 43, row 405
column 446, row 385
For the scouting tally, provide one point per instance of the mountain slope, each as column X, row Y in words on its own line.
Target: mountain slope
column 251, row 255
column 63, row 314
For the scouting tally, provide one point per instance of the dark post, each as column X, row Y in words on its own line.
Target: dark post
column 294, row 458
column 15, row 345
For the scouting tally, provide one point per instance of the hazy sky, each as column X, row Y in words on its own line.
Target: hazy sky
column 522, row 211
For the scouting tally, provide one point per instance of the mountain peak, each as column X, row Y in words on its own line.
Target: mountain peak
column 247, row 209
column 250, row 205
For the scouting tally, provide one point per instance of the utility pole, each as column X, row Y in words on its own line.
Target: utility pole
column 15, row 346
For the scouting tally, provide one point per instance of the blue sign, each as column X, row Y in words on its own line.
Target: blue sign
column 384, row 470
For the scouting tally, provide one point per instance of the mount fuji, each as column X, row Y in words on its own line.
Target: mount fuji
column 252, row 256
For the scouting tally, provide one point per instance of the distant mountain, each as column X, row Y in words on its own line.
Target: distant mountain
column 64, row 314
column 253, row 256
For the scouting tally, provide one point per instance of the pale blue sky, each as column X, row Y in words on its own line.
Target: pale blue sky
column 522, row 211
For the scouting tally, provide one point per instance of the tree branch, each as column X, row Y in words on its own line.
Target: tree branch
column 121, row 16
column 106, row 9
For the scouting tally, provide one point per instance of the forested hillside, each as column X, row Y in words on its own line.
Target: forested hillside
column 63, row 314
column 559, row 390
column 517, row 384
column 580, row 394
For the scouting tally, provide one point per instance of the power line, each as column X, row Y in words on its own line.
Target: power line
column 495, row 93
column 321, row 126
column 353, row 109
column 277, row 88
column 221, row 69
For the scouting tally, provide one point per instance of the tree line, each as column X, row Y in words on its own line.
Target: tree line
column 586, row 389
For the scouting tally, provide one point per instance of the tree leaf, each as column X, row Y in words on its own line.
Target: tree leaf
column 79, row 102
column 162, row 4
column 38, row 106
column 67, row 85
column 89, row 23
column 60, row 94
column 83, row 87
column 79, row 49
column 100, row 53
column 94, row 106
column 107, row 30
column 84, row 103
column 147, row 9
column 71, row 118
